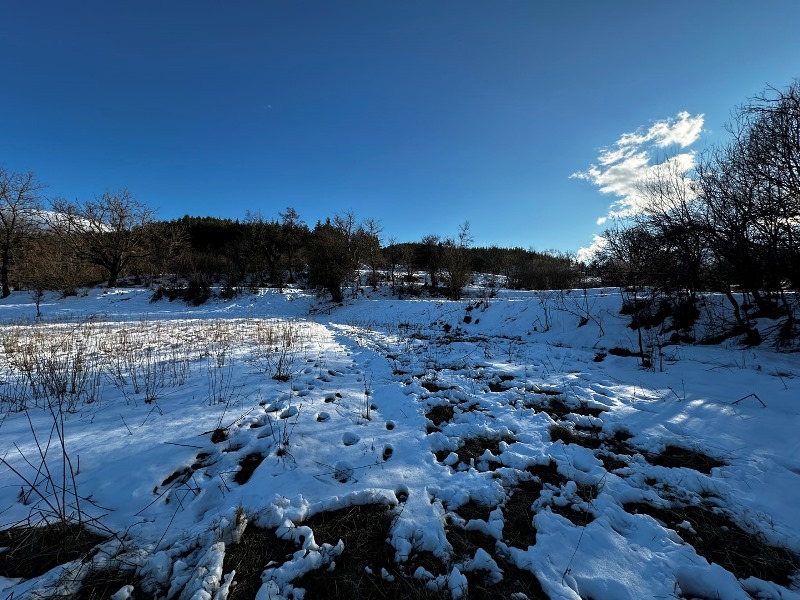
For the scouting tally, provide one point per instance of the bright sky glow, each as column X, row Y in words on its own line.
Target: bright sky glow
column 419, row 114
column 633, row 159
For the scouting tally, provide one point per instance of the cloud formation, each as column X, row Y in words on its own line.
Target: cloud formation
column 622, row 168
column 585, row 255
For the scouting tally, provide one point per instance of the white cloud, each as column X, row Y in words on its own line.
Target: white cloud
column 588, row 253
column 683, row 131
column 621, row 169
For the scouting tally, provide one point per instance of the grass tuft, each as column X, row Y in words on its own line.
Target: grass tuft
column 33, row 551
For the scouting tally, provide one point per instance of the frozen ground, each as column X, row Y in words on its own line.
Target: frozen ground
column 408, row 448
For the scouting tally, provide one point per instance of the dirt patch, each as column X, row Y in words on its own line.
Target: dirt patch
column 586, row 410
column 200, row 461
column 718, row 539
column 515, row 581
column 440, row 414
column 677, row 456
column 434, row 386
column 558, row 410
column 364, row 531
column 611, row 462
column 248, row 466
column 555, row 408
column 441, row 455
column 625, row 352
column 547, row 473
column 182, row 474
column 473, row 510
column 498, row 385
column 466, row 541
column 104, row 583
column 256, row 549
column 219, row 435
column 579, row 518
column 618, row 443
column 518, row 529
column 546, row 392
column 427, row 560
column 33, row 551
column 470, row 450
column 568, row 435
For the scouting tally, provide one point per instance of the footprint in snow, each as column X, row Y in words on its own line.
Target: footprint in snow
column 349, row 438
column 289, row 412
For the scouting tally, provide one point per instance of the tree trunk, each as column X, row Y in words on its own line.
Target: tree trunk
column 336, row 292
column 4, row 275
column 4, row 278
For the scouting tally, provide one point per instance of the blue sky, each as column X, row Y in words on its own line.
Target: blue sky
column 421, row 114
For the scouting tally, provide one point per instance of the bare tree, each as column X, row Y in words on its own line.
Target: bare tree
column 110, row 232
column 456, row 261
column 673, row 215
column 372, row 248
column 172, row 241
column 392, row 255
column 329, row 259
column 20, row 207
column 431, row 247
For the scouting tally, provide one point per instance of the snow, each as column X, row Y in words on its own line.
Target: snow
column 349, row 428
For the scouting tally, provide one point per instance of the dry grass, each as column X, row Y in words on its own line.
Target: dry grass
column 568, row 435
column 102, row 584
column 248, row 465
column 33, row 551
column 72, row 361
column 518, row 529
column 465, row 543
column 676, row 456
column 718, row 539
column 440, row 414
column 364, row 531
column 256, row 549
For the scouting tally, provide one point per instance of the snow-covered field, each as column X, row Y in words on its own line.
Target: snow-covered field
column 407, row 448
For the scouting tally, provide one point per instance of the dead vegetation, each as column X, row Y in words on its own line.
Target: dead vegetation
column 440, row 414
column 471, row 450
column 473, row 510
column 558, row 410
column 32, row 551
column 102, row 584
column 718, row 539
column 248, row 466
column 570, row 435
column 366, row 568
column 518, row 528
column 499, row 385
column 256, row 549
column 466, row 542
column 434, row 386
column 677, row 456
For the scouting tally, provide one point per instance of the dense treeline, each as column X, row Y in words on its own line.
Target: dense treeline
column 732, row 225
column 69, row 245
